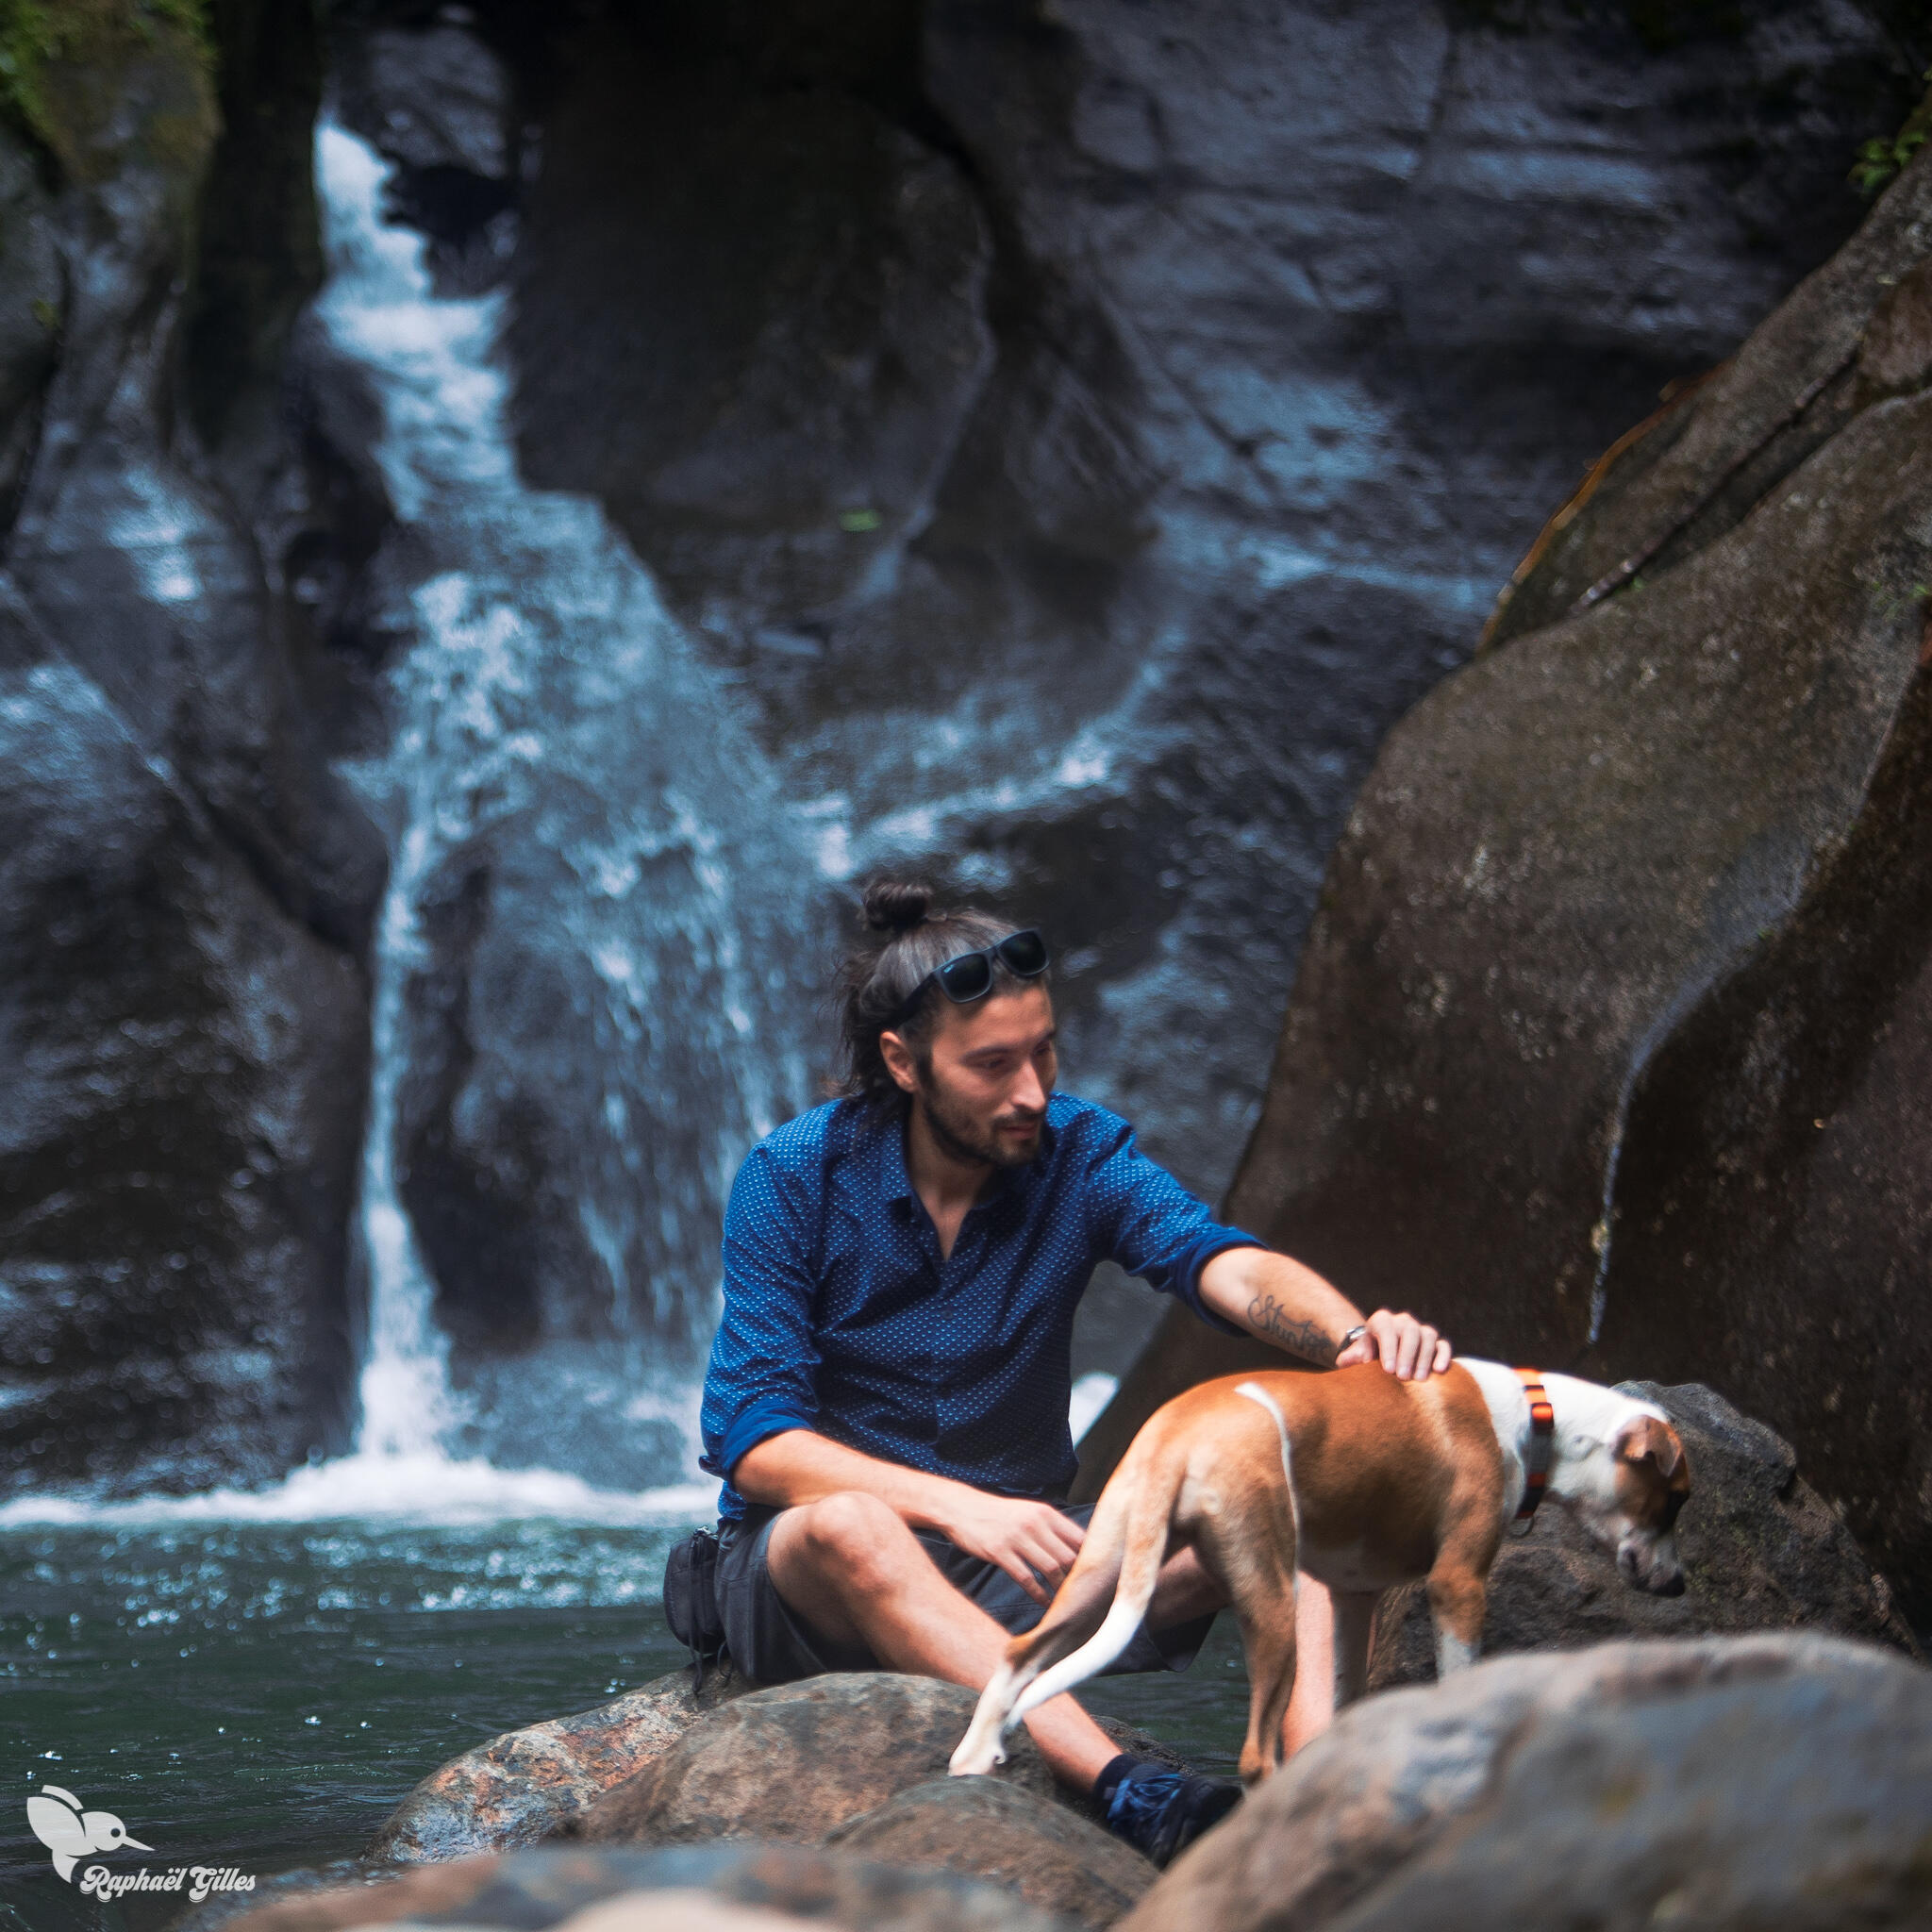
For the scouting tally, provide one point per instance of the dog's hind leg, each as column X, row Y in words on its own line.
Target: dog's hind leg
column 1143, row 1550
column 1075, row 1613
column 1246, row 1538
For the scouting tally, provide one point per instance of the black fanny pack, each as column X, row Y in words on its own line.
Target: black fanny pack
column 691, row 1601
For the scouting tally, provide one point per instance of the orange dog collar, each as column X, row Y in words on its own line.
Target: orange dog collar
column 1542, row 1443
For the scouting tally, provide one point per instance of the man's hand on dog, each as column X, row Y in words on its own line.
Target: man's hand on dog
column 1409, row 1350
column 1029, row 1540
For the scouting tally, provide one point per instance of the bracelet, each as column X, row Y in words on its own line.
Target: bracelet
column 1342, row 1346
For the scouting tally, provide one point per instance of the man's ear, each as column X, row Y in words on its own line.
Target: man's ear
column 1646, row 1437
column 899, row 1062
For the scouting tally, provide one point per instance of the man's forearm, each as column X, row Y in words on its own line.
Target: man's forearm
column 1279, row 1301
column 801, row 1466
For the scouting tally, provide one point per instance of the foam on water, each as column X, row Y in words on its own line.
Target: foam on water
column 420, row 1486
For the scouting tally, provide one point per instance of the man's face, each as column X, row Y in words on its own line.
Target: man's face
column 983, row 1082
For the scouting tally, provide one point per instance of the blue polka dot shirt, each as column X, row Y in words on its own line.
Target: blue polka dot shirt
column 840, row 1316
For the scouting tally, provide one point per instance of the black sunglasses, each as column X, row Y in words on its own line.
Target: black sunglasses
column 968, row 976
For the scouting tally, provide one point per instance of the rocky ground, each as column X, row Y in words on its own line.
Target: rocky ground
column 1779, row 1702
column 1766, row 1782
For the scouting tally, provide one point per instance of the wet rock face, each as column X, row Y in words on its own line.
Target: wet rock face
column 1766, row 1782
column 1761, row 1551
column 183, row 888
column 791, row 1764
column 1605, row 1044
column 1023, row 415
column 531, row 1890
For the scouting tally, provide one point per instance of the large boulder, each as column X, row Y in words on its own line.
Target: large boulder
column 524, row 1783
column 532, row 1890
column 1780, row 1784
column 988, row 1829
column 1761, row 1551
column 794, row 1763
column 1607, row 1045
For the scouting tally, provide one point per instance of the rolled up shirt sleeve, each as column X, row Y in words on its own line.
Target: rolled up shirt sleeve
column 1143, row 1218
column 764, row 1365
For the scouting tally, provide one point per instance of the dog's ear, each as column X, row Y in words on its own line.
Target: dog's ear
column 1646, row 1438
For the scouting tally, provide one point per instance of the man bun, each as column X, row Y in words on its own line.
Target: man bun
column 886, row 982
column 898, row 905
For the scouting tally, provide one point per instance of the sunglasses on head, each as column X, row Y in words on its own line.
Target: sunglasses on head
column 968, row 976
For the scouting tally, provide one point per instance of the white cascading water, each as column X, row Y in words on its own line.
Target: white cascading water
column 543, row 666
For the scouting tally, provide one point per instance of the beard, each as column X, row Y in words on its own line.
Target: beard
column 963, row 1137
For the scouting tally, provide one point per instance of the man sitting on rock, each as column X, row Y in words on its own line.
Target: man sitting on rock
column 887, row 1398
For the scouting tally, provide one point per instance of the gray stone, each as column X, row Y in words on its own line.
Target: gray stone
column 988, row 1829
column 1773, row 1783
column 532, row 1890
column 792, row 1763
column 526, row 1783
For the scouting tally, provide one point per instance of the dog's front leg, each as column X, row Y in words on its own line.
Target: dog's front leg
column 1458, row 1597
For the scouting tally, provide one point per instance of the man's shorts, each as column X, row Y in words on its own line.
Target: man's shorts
column 773, row 1644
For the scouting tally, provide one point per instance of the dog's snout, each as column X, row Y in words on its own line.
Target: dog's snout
column 1672, row 1584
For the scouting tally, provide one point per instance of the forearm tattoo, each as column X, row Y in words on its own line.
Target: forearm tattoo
column 1268, row 1318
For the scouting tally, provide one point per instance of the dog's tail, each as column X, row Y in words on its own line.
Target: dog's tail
column 1146, row 1505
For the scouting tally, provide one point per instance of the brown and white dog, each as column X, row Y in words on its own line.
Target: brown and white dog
column 1363, row 1481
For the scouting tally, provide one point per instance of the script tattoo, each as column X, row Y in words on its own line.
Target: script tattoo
column 1267, row 1317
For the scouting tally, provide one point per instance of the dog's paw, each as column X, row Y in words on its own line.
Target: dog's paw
column 975, row 1760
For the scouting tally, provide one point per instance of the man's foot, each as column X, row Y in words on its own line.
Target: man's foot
column 1158, row 1811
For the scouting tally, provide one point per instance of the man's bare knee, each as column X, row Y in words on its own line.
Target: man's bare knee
column 853, row 1539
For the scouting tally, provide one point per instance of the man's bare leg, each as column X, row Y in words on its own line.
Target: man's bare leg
column 852, row 1569
column 1311, row 1708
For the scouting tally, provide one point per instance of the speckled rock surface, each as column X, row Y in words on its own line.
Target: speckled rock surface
column 1768, row 1783
column 795, row 1762
column 524, row 1783
column 988, row 1829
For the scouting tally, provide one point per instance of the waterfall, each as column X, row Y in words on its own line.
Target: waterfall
column 544, row 706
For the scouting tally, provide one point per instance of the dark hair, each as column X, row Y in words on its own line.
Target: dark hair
column 906, row 941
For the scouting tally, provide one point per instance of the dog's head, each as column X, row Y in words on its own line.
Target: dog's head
column 1650, row 1481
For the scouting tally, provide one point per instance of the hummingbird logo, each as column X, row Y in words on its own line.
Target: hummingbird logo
column 70, row 1832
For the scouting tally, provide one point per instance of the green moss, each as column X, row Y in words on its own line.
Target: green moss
column 39, row 35
column 1880, row 158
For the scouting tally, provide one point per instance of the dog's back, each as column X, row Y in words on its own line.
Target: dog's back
column 1375, row 1466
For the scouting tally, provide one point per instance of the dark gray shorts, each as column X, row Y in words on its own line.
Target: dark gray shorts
column 770, row 1642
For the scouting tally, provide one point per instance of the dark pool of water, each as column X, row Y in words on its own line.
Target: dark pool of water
column 260, row 1695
